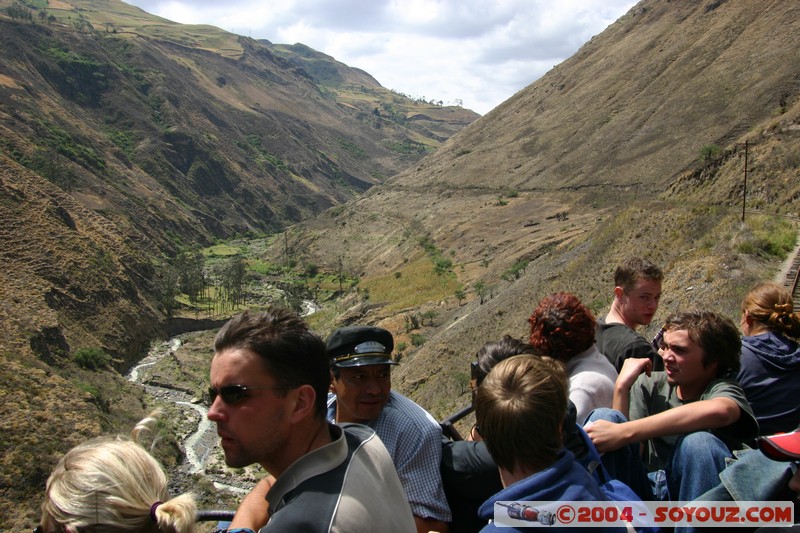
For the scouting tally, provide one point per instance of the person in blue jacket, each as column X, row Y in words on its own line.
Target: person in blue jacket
column 770, row 359
column 519, row 409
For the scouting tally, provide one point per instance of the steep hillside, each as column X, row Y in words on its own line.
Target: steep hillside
column 636, row 104
column 632, row 146
column 635, row 145
column 69, row 283
column 124, row 139
column 184, row 144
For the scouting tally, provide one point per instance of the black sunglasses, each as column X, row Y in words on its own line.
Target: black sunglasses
column 232, row 394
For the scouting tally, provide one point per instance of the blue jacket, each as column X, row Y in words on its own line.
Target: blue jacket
column 769, row 376
column 564, row 480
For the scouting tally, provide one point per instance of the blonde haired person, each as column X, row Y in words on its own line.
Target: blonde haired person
column 520, row 408
column 113, row 484
column 770, row 360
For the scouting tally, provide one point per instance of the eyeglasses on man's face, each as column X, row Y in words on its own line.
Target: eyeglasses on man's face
column 232, row 394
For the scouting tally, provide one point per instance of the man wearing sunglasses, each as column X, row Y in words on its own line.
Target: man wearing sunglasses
column 269, row 382
column 360, row 364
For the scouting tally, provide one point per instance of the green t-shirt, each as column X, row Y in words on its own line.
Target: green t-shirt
column 652, row 394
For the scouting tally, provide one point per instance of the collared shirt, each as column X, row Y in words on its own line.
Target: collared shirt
column 349, row 485
column 414, row 440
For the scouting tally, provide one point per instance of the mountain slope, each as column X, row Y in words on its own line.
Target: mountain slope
column 597, row 160
column 175, row 136
column 637, row 103
column 211, row 132
column 125, row 138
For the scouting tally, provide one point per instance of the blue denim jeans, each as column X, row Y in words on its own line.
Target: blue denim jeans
column 695, row 464
column 624, row 464
column 692, row 468
column 752, row 477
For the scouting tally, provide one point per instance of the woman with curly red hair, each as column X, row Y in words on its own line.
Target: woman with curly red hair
column 563, row 328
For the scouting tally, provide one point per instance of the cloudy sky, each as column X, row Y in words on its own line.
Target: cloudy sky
column 476, row 52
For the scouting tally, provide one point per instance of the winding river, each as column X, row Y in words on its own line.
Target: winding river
column 201, row 442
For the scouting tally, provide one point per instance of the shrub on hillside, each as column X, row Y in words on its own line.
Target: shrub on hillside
column 91, row 358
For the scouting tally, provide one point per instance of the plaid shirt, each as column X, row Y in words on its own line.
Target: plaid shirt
column 414, row 440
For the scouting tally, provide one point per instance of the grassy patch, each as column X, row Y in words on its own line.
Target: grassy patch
column 767, row 236
column 265, row 268
column 221, row 250
column 418, row 284
column 91, row 358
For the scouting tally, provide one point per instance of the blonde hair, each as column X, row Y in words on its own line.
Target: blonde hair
column 771, row 305
column 113, row 484
column 520, row 408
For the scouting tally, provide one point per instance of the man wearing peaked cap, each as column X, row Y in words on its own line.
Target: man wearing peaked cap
column 361, row 392
column 360, row 346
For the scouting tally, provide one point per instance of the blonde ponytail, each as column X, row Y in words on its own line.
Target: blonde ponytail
column 111, row 484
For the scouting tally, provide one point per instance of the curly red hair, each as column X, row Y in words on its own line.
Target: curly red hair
column 561, row 326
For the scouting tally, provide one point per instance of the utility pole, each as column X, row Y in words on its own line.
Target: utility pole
column 747, row 145
column 286, row 247
column 744, row 192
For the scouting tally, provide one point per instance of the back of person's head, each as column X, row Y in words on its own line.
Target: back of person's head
column 715, row 334
column 113, row 484
column 493, row 352
column 561, row 326
column 290, row 351
column 634, row 269
column 772, row 306
column 520, row 409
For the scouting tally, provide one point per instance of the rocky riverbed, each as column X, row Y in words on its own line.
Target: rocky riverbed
column 202, row 470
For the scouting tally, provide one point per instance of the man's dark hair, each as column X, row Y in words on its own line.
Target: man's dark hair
column 290, row 351
column 715, row 334
column 493, row 352
column 634, row 269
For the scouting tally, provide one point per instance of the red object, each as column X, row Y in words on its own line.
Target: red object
column 781, row 447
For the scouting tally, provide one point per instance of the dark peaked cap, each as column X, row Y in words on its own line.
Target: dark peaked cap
column 360, row 346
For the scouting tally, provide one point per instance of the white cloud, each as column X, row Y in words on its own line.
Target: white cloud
column 478, row 51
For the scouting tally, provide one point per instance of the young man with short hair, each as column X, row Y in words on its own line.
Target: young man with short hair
column 687, row 418
column 269, row 382
column 520, row 409
column 637, row 291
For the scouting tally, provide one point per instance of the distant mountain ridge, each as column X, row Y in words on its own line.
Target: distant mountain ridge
column 207, row 117
column 633, row 146
column 124, row 138
column 177, row 136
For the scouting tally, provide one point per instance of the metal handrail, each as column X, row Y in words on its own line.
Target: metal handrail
column 214, row 515
column 447, row 424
